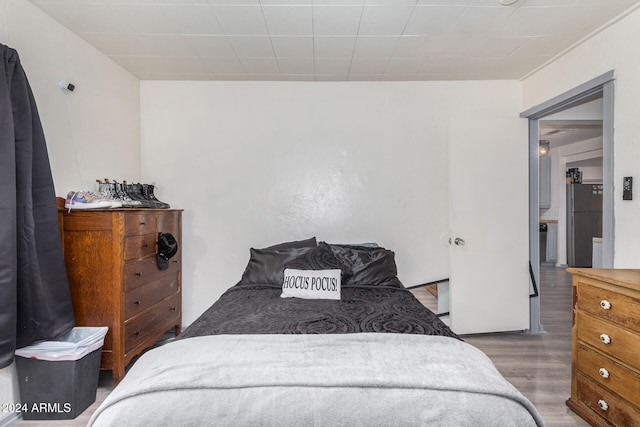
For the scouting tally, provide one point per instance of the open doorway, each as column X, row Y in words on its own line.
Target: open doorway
column 571, row 186
column 600, row 88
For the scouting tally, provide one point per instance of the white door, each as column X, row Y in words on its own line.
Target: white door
column 489, row 286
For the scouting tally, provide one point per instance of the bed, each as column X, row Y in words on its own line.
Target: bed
column 316, row 334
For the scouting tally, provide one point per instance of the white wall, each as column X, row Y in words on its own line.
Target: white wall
column 255, row 163
column 615, row 48
column 91, row 133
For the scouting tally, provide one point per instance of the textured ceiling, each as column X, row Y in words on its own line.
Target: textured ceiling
column 334, row 40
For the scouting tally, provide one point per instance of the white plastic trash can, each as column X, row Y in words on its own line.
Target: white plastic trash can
column 59, row 379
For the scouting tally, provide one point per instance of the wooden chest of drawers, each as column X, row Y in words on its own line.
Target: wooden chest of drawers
column 605, row 386
column 110, row 257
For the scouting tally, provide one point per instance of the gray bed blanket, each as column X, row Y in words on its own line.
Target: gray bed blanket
column 364, row 379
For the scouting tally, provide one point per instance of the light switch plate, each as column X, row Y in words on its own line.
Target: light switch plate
column 627, row 188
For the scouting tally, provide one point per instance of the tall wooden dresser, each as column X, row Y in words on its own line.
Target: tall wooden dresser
column 110, row 257
column 605, row 378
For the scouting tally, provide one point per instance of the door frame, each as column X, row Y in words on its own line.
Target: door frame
column 604, row 85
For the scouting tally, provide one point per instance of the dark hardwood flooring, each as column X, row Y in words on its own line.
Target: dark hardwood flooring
column 537, row 365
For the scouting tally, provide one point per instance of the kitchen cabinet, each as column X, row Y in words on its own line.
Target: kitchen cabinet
column 552, row 242
column 545, row 182
column 548, row 241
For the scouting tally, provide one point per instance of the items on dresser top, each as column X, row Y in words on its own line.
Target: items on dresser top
column 605, row 386
column 115, row 195
column 111, row 258
column 89, row 200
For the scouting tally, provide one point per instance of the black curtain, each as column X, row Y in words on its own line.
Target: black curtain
column 35, row 302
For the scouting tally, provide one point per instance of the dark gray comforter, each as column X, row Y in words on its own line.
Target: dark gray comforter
column 258, row 309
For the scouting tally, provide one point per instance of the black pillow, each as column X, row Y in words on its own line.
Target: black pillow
column 266, row 266
column 308, row 243
column 366, row 266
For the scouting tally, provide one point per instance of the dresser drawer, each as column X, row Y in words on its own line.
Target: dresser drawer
column 139, row 246
column 608, row 373
column 623, row 345
column 142, row 223
column 156, row 319
column 169, row 222
column 140, row 272
column 605, row 403
column 145, row 296
column 609, row 305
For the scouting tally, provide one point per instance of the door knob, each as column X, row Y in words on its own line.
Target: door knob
column 458, row 241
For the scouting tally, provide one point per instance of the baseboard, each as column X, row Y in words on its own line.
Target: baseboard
column 8, row 419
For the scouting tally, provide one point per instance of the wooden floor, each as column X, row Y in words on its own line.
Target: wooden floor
column 537, row 365
column 540, row 365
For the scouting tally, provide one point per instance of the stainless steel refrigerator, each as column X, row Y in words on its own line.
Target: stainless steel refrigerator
column 584, row 222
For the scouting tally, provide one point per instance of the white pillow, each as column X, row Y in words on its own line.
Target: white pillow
column 311, row 284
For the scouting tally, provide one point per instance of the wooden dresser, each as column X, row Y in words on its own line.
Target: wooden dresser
column 605, row 378
column 110, row 257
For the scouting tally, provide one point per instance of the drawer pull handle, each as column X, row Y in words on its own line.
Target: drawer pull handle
column 606, row 339
column 137, row 333
column 137, row 302
column 143, row 223
column 603, row 405
column 145, row 246
column 172, row 309
column 606, row 305
column 139, row 274
column 604, row 373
